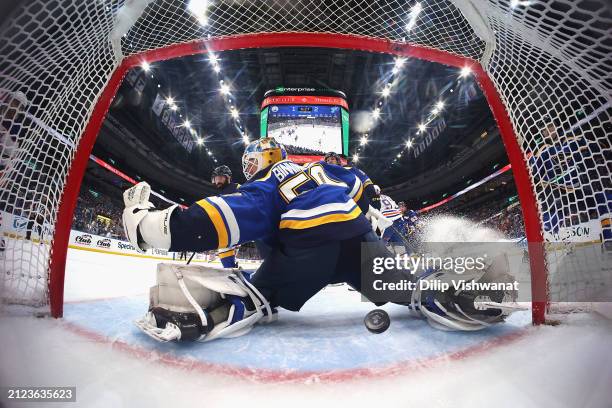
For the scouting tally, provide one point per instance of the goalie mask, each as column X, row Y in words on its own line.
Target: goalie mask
column 260, row 154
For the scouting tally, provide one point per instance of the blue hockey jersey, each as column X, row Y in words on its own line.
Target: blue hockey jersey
column 227, row 256
column 298, row 206
column 368, row 186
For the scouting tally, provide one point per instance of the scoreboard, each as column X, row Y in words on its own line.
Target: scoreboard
column 308, row 122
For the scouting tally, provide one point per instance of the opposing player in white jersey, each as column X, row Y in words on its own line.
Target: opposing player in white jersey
column 395, row 235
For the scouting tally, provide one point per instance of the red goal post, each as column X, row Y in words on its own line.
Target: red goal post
column 493, row 38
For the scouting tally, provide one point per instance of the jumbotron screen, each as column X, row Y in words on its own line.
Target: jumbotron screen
column 306, row 124
column 308, row 128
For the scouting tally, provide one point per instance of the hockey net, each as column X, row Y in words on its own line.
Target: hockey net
column 543, row 66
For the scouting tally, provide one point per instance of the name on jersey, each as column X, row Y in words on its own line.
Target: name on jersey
column 284, row 169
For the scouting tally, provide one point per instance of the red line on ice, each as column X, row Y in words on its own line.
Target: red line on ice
column 278, row 376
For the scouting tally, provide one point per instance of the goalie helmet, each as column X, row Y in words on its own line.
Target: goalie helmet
column 260, row 154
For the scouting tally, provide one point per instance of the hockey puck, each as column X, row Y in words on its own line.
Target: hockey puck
column 377, row 321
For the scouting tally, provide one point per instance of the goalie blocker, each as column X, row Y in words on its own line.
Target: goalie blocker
column 201, row 303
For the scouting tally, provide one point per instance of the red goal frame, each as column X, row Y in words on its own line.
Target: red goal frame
column 527, row 197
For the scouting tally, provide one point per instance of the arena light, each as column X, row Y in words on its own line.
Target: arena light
column 214, row 60
column 440, row 105
column 376, row 113
column 422, row 127
column 187, row 124
column 520, row 3
column 234, row 113
column 209, row 153
column 246, row 140
column 399, row 63
column 386, row 91
column 145, row 66
column 355, row 157
column 225, row 89
column 413, row 16
column 465, row 72
column 399, row 155
column 199, row 8
column 170, row 101
column 199, row 141
column 409, row 143
column 174, row 107
column 363, row 141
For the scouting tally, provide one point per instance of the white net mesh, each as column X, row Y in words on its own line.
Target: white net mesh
column 549, row 61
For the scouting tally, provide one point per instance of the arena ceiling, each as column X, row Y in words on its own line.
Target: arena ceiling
column 138, row 141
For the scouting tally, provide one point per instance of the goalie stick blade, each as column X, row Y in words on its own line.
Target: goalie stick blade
column 505, row 307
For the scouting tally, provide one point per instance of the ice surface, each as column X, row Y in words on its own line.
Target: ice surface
column 96, row 348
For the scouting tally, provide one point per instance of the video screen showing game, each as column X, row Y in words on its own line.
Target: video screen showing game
column 306, row 129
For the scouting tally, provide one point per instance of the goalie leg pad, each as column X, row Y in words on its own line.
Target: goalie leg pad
column 466, row 310
column 193, row 302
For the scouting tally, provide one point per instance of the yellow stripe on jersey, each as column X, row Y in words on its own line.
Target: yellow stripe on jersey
column 359, row 193
column 226, row 254
column 217, row 221
column 325, row 219
column 367, row 183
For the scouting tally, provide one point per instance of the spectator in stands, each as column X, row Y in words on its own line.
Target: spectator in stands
column 12, row 106
column 36, row 217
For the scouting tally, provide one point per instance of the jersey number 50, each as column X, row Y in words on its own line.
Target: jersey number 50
column 315, row 173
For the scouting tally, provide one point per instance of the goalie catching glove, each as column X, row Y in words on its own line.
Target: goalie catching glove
column 144, row 227
column 201, row 303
